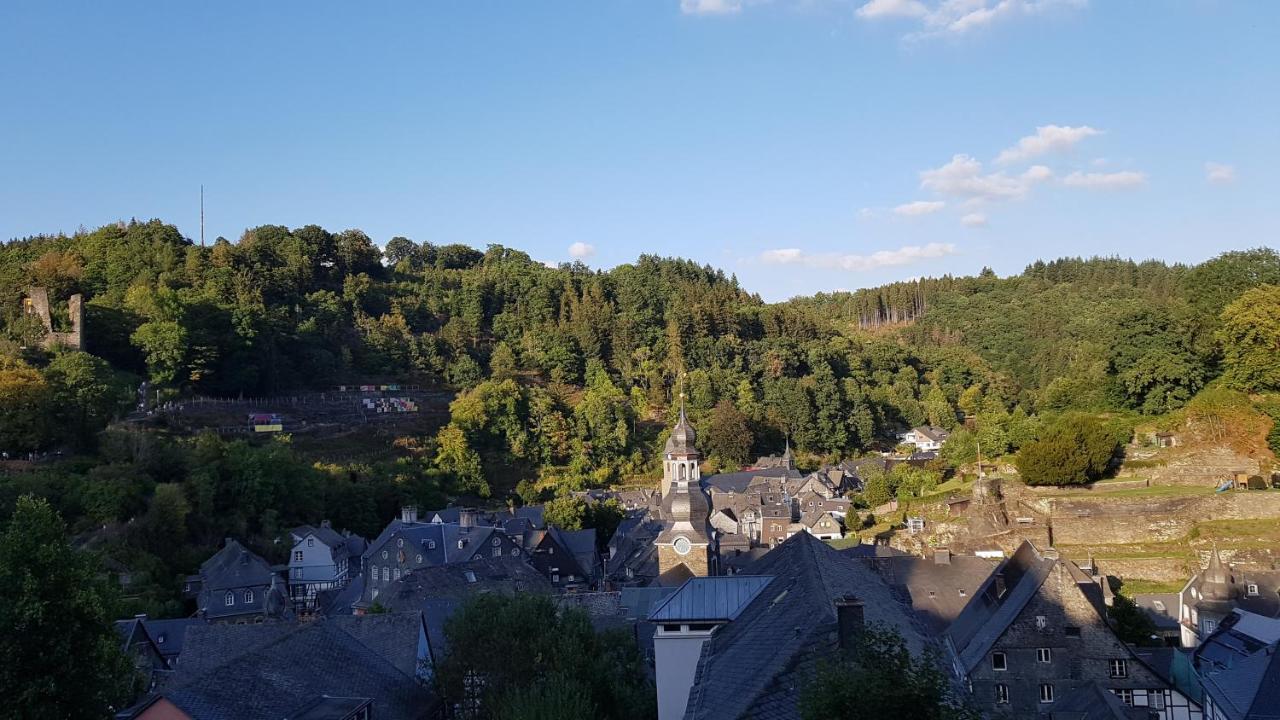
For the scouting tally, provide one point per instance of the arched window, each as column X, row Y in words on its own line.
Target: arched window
column 230, row 598
column 373, row 572
column 248, row 596
column 682, row 477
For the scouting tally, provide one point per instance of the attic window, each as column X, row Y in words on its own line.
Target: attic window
column 384, row 554
column 311, row 542
column 963, row 592
column 1158, row 605
column 431, row 544
column 229, row 599
column 470, row 575
column 400, row 542
column 248, row 596
column 462, row 544
column 419, row 559
column 1253, row 588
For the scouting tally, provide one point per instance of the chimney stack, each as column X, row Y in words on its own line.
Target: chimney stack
column 467, row 518
column 942, row 556
column 849, row 614
column 409, row 514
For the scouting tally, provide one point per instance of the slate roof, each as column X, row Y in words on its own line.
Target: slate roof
column 986, row 617
column 1091, row 701
column 938, row 588
column 581, row 544
column 273, row 670
column 459, row 581
column 756, row 664
column 169, row 634
column 1239, row 666
column 738, row 482
column 235, row 568
column 1162, row 608
column 704, row 599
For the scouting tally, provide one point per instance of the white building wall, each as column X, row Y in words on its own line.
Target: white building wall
column 675, row 660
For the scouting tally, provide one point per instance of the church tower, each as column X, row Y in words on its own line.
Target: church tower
column 684, row 540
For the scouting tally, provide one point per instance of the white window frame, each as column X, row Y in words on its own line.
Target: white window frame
column 1002, row 694
column 1044, row 655
column 1125, row 695
column 311, row 542
column 1118, row 668
column 229, row 599
column 1046, row 693
column 1003, row 664
column 248, row 595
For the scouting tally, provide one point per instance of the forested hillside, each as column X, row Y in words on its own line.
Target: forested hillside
column 565, row 377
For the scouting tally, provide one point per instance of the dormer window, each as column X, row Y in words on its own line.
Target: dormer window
column 311, row 542
column 431, row 544
column 229, row 599
column 248, row 596
column 1253, row 589
column 400, row 542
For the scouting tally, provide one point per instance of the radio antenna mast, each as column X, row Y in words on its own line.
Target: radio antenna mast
column 201, row 214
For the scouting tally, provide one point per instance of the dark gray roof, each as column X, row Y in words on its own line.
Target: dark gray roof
column 505, row 575
column 582, row 545
column 1162, row 608
column 168, row 634
column 1091, row 701
column 235, row 569
column 328, row 708
column 269, row 671
column 1239, row 666
column 340, row 602
column 738, row 482
column 710, row 598
column 754, row 665
column 985, row 619
column 938, row 588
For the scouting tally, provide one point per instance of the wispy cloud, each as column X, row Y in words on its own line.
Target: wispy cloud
column 1048, row 138
column 892, row 8
column 974, row 220
column 581, row 250
column 964, row 177
column 919, row 207
column 905, row 255
column 1219, row 174
column 957, row 17
column 1105, row 181
column 710, row 7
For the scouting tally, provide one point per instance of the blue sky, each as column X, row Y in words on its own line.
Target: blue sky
column 804, row 145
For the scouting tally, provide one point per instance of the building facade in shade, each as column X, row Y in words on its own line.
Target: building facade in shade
column 685, row 546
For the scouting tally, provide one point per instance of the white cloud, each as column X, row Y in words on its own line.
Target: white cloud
column 957, row 17
column 1105, row 181
column 1219, row 174
column 710, row 7
column 892, row 8
column 867, row 213
column 581, row 250
column 905, row 255
column 964, row 177
column 919, row 207
column 974, row 220
column 1048, row 138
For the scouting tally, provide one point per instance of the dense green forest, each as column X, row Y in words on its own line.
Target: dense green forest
column 565, row 376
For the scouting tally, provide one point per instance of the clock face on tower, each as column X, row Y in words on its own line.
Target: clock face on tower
column 682, row 545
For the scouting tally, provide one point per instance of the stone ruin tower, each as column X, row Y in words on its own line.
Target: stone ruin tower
column 37, row 303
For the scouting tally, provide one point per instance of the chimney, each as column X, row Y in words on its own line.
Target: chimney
column 467, row 518
column 849, row 614
column 325, row 524
column 942, row 556
column 409, row 514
